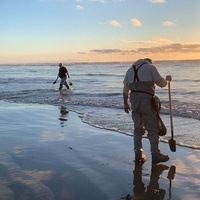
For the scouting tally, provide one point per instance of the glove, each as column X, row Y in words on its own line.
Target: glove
column 54, row 82
column 168, row 78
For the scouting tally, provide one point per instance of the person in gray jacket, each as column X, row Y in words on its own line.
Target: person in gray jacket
column 139, row 84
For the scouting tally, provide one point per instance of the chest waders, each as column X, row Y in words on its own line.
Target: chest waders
column 155, row 102
column 136, row 79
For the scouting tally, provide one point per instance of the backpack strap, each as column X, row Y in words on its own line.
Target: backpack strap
column 136, row 78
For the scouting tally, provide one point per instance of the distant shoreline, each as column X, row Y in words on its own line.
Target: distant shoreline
column 82, row 62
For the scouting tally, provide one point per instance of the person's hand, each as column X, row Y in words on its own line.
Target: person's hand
column 168, row 78
column 126, row 108
column 54, row 82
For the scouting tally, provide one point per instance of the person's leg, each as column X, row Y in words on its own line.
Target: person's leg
column 62, row 81
column 150, row 122
column 138, row 133
column 65, row 83
column 148, row 117
column 151, row 125
column 138, row 128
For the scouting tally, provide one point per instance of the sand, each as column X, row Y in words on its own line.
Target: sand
column 48, row 153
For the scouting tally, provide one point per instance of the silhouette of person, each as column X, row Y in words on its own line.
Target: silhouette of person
column 62, row 74
column 63, row 113
column 153, row 190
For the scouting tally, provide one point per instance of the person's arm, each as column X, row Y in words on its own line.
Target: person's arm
column 125, row 97
column 163, row 82
column 67, row 73
column 157, row 78
column 56, row 78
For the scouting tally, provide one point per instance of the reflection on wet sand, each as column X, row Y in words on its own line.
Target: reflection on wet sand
column 18, row 184
column 40, row 159
column 63, row 115
column 170, row 176
column 153, row 190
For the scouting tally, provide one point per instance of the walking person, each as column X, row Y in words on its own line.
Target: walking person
column 140, row 80
column 62, row 74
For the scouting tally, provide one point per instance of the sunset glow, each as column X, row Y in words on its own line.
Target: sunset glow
column 98, row 30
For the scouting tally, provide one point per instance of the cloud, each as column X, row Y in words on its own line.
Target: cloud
column 101, row 1
column 78, row 7
column 81, row 52
column 136, row 22
column 127, row 41
column 115, row 23
column 158, row 1
column 153, row 42
column 178, row 47
column 168, row 48
column 105, row 51
column 53, row 0
column 168, row 23
column 171, row 48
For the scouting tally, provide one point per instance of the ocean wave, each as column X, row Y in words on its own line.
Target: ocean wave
column 104, row 75
column 97, row 94
column 96, row 100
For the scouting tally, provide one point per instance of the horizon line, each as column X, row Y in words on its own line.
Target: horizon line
column 91, row 62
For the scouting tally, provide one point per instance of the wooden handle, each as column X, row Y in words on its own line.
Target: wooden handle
column 170, row 110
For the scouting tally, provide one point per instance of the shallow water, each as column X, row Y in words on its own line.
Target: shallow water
column 97, row 94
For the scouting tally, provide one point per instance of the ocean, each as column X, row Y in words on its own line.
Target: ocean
column 97, row 94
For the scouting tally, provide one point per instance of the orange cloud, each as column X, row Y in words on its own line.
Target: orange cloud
column 170, row 48
column 136, row 22
column 115, row 23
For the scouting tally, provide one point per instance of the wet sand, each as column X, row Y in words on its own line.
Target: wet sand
column 48, row 153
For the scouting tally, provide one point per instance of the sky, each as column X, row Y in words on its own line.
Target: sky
column 38, row 31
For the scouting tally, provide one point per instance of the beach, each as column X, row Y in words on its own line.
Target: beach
column 47, row 152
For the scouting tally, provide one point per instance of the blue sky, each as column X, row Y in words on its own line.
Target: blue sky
column 98, row 30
